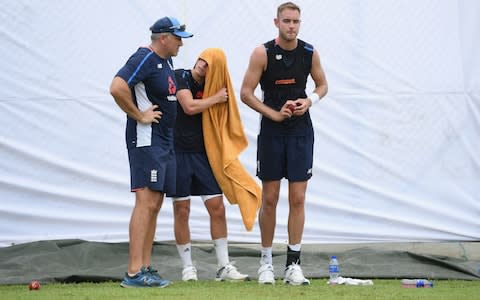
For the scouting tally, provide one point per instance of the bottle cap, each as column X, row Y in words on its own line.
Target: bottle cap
column 334, row 256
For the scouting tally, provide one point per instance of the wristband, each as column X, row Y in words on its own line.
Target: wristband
column 314, row 98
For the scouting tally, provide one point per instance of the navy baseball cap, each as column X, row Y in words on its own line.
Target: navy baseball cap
column 171, row 25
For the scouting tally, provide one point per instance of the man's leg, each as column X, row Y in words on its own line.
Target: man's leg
column 218, row 227
column 142, row 228
column 218, row 221
column 152, row 228
column 267, row 220
column 268, row 212
column 181, row 212
column 296, row 220
column 218, row 230
column 296, row 215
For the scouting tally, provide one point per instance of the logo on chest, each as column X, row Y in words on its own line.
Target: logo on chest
column 172, row 88
column 285, row 81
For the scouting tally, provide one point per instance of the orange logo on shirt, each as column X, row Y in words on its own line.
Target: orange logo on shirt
column 285, row 81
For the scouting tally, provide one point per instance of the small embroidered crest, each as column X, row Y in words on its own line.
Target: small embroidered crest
column 153, row 176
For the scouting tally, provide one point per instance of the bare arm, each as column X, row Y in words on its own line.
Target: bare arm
column 123, row 97
column 321, row 86
column 318, row 76
column 256, row 66
column 192, row 107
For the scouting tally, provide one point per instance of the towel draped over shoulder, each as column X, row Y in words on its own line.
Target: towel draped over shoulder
column 225, row 140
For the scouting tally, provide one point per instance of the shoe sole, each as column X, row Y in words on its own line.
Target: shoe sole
column 163, row 286
column 297, row 283
column 232, row 280
column 143, row 286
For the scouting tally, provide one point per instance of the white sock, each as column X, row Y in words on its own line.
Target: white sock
column 185, row 252
column 133, row 275
column 296, row 247
column 266, row 256
column 221, row 249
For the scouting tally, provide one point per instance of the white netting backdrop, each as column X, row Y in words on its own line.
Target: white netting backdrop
column 397, row 137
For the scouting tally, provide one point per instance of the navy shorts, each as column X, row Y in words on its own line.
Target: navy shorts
column 153, row 167
column 194, row 176
column 289, row 157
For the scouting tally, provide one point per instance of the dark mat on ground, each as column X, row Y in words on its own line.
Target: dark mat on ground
column 71, row 261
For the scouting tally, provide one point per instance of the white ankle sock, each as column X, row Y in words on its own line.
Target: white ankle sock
column 266, row 257
column 185, row 252
column 221, row 249
column 296, row 247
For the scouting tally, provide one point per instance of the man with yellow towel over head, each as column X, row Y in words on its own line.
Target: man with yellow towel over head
column 209, row 137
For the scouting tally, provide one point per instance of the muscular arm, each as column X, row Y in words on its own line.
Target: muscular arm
column 192, row 107
column 321, row 86
column 256, row 66
column 318, row 76
column 123, row 97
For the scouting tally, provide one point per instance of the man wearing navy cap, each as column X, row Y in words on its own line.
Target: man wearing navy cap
column 171, row 25
column 145, row 89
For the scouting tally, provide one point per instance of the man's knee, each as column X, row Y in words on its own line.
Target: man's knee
column 182, row 212
column 218, row 211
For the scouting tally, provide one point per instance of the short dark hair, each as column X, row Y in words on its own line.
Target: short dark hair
column 286, row 5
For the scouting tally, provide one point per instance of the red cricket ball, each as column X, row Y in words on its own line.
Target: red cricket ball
column 34, row 285
column 291, row 107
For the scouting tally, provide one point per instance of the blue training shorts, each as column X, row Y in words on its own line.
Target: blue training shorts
column 289, row 157
column 153, row 167
column 194, row 176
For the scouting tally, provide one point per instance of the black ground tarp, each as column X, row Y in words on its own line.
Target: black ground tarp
column 84, row 261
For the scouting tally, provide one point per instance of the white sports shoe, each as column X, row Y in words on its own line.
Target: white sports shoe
column 266, row 275
column 294, row 276
column 230, row 273
column 189, row 274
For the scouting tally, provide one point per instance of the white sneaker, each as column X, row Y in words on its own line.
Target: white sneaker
column 266, row 275
column 189, row 274
column 230, row 273
column 294, row 276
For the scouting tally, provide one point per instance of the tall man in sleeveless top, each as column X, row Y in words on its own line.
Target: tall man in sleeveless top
column 285, row 143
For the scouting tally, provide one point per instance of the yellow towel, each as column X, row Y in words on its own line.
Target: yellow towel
column 225, row 140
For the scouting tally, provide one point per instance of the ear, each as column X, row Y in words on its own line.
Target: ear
column 163, row 38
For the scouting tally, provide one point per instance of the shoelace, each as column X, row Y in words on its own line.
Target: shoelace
column 227, row 268
column 153, row 272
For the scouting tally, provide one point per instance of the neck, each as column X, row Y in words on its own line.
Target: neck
column 158, row 51
column 197, row 77
column 287, row 44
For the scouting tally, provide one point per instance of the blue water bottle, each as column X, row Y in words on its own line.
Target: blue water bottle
column 333, row 270
column 417, row 283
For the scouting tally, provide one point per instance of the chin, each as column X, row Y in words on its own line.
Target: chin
column 289, row 37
